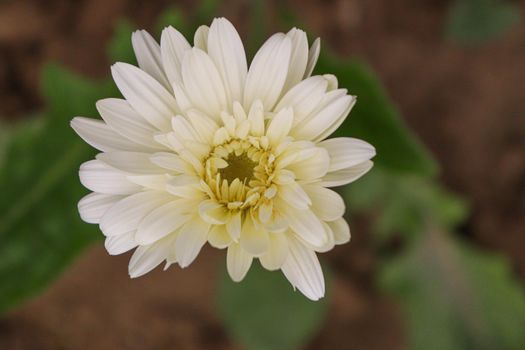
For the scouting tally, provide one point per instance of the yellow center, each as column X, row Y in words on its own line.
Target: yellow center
column 239, row 167
column 238, row 173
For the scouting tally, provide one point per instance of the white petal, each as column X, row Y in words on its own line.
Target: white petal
column 326, row 204
column 204, row 126
column 256, row 118
column 304, row 97
column 124, row 120
column 100, row 177
column 268, row 72
column 161, row 222
column 93, row 206
column 296, row 152
column 238, row 262
column 147, row 51
column 278, row 223
column 153, row 182
column 265, row 212
column 146, row 258
column 303, row 270
column 294, row 195
column 148, row 97
column 313, row 55
column 200, row 39
column 254, row 239
column 116, row 245
column 183, row 101
column 126, row 214
column 313, row 167
column 185, row 186
column 99, row 135
column 280, row 126
column 346, row 152
column 341, row 231
column 331, row 115
column 330, row 243
column 304, row 223
column 298, row 58
column 131, row 162
column 233, row 226
column 227, row 52
column 284, row 177
column 277, row 253
column 191, row 238
column 345, row 176
column 213, row 212
column 203, row 83
column 182, row 129
column 171, row 161
column 336, row 123
column 333, row 84
column 173, row 45
column 219, row 237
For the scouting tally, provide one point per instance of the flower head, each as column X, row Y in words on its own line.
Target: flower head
column 204, row 149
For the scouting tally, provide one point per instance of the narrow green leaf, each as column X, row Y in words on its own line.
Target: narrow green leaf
column 263, row 312
column 456, row 297
column 40, row 229
column 474, row 22
column 375, row 119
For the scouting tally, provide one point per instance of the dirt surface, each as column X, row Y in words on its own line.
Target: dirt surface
column 467, row 106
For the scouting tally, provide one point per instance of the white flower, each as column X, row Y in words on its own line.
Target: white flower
column 203, row 149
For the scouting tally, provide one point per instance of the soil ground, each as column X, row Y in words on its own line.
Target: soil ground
column 466, row 104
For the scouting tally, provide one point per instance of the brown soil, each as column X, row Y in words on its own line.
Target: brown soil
column 467, row 105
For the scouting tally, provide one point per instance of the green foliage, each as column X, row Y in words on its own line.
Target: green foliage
column 258, row 29
column 206, row 11
column 40, row 229
column 456, row 297
column 120, row 48
column 16, row 136
column 404, row 202
column 188, row 23
column 375, row 119
column 173, row 17
column 474, row 22
column 264, row 312
column 9, row 132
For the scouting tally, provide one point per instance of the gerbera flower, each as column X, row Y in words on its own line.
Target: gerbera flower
column 204, row 149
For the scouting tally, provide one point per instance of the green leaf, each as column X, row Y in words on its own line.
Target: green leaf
column 120, row 48
column 404, row 203
column 474, row 22
column 40, row 229
column 263, row 312
column 456, row 297
column 17, row 135
column 375, row 119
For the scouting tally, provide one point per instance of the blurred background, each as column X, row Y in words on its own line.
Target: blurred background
column 437, row 255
